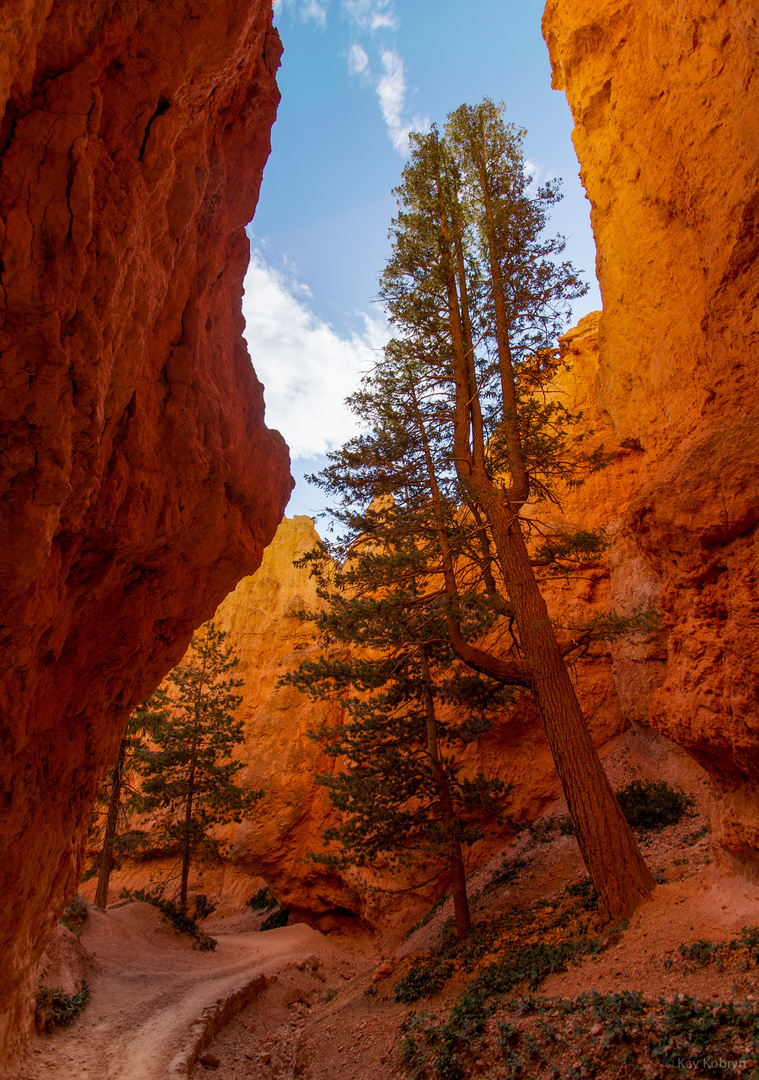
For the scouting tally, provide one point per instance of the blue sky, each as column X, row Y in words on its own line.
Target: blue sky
column 356, row 76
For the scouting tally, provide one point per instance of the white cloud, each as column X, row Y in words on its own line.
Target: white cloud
column 391, row 90
column 372, row 15
column 306, row 367
column 307, row 10
column 358, row 61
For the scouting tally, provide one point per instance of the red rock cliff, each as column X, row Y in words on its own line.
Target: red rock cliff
column 139, row 481
column 665, row 106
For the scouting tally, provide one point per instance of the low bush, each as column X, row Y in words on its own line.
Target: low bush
column 276, row 919
column 203, row 906
column 262, row 900
column 75, row 915
column 652, row 805
column 53, row 1007
column 422, row 981
column 507, row 873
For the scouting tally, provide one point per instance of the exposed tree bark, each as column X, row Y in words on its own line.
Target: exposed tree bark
column 447, row 814
column 609, row 849
column 187, row 837
column 111, row 825
column 607, row 844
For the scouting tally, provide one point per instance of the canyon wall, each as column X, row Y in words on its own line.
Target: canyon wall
column 666, row 110
column 139, row 481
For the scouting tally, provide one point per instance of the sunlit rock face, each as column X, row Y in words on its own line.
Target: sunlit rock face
column 665, row 111
column 264, row 633
column 139, row 480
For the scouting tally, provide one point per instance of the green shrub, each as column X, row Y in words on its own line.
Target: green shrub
column 203, row 906
column 583, row 890
column 54, row 1008
column 422, row 981
column 699, row 952
column 507, row 873
column 652, row 805
column 566, row 826
column 262, row 900
column 276, row 919
column 75, row 915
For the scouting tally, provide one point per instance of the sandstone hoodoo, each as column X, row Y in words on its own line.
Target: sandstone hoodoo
column 139, row 480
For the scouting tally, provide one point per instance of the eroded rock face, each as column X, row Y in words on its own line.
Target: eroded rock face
column 139, row 481
column 666, row 118
column 281, row 760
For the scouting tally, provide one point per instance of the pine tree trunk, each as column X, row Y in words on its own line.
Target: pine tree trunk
column 609, row 849
column 186, row 839
column 447, row 814
column 111, row 824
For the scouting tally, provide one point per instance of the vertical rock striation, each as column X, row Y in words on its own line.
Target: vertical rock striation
column 666, row 111
column 139, row 481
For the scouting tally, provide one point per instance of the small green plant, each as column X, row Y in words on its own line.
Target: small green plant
column 531, row 965
column 692, row 838
column 583, row 890
column 276, row 919
column 422, row 981
column 652, row 805
column 542, row 832
column 75, row 915
column 55, row 1008
column 203, row 906
column 172, row 913
column 262, row 900
column 750, row 940
column 699, row 952
column 507, row 873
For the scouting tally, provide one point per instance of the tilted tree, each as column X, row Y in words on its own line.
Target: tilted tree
column 412, row 708
column 118, row 796
column 477, row 296
column 187, row 773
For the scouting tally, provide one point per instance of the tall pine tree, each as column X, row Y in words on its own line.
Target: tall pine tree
column 477, row 295
column 187, row 774
column 118, row 796
column 411, row 707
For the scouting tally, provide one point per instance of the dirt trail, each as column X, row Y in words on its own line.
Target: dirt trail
column 148, row 985
column 328, row 1010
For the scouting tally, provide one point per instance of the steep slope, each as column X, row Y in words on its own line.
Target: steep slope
column 665, row 106
column 138, row 479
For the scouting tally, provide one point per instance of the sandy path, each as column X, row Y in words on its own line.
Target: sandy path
column 148, row 985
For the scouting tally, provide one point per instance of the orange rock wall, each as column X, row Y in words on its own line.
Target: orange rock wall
column 281, row 760
column 666, row 117
column 138, row 479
